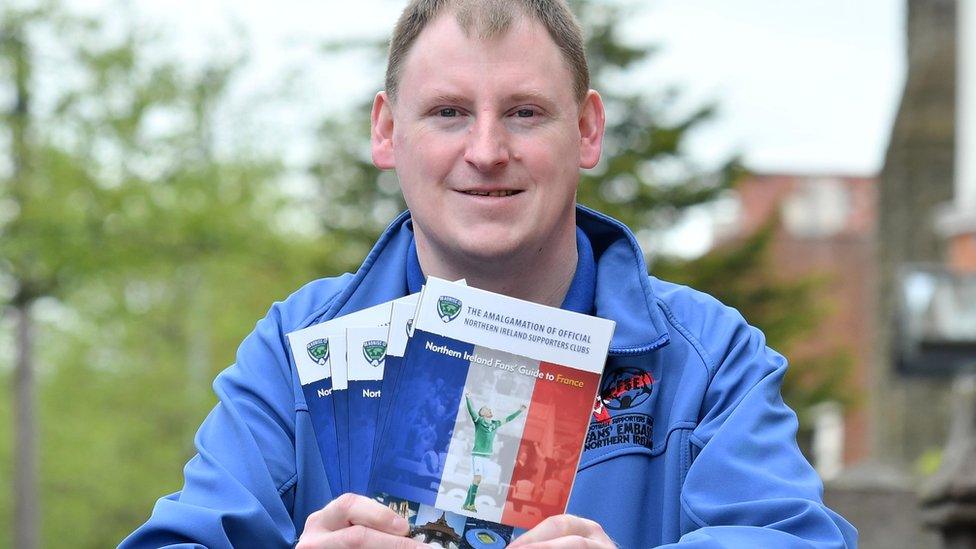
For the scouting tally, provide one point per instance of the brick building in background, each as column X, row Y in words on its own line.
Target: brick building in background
column 825, row 227
column 864, row 235
column 898, row 255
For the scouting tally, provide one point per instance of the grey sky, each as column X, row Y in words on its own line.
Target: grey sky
column 802, row 86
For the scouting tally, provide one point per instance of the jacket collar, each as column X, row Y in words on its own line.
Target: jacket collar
column 623, row 292
column 623, row 289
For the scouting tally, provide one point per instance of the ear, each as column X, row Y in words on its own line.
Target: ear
column 592, row 125
column 381, row 132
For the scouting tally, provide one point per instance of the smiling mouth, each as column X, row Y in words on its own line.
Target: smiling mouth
column 496, row 194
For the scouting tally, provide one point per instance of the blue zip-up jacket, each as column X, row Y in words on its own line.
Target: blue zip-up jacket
column 693, row 447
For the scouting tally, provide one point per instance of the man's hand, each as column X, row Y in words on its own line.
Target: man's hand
column 355, row 521
column 564, row 531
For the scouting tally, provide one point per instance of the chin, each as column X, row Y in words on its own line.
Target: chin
column 490, row 247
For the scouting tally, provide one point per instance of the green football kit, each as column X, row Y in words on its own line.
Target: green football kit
column 484, row 440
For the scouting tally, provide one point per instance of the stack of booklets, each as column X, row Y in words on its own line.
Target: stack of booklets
column 463, row 410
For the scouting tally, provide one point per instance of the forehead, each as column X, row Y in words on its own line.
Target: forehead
column 524, row 60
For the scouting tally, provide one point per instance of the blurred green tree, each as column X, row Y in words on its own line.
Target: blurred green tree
column 648, row 181
column 742, row 275
column 133, row 259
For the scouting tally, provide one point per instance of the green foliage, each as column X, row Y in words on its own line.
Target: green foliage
column 645, row 178
column 144, row 256
column 354, row 201
column 743, row 276
column 6, row 457
column 929, row 462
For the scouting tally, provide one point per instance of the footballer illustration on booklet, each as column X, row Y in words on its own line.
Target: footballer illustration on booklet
column 485, row 428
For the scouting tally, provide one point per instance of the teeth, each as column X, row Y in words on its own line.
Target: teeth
column 492, row 193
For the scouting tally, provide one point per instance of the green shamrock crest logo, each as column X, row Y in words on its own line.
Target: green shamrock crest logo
column 318, row 351
column 375, row 352
column 448, row 308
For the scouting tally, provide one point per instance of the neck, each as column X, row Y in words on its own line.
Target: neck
column 541, row 275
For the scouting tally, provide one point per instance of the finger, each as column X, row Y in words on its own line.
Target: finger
column 568, row 542
column 559, row 526
column 351, row 509
column 355, row 536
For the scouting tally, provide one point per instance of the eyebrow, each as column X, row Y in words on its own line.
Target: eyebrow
column 529, row 96
column 446, row 98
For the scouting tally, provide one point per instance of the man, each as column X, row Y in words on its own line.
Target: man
column 487, row 118
column 484, row 440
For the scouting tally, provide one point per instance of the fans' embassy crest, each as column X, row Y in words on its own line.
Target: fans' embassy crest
column 622, row 389
column 448, row 308
column 375, row 351
column 620, row 412
column 318, row 351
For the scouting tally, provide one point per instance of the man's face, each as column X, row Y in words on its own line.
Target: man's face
column 487, row 140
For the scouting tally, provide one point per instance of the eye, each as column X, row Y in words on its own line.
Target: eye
column 447, row 112
column 524, row 113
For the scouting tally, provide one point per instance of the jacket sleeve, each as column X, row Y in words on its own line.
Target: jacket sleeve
column 748, row 485
column 236, row 487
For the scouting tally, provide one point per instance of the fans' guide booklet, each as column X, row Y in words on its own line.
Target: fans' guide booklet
column 487, row 416
column 320, row 358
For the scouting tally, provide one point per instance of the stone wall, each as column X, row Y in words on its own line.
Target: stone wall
column 886, row 513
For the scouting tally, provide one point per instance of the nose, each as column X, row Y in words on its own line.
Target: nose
column 487, row 147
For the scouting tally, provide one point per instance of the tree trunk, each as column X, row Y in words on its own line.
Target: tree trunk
column 25, row 439
column 25, row 496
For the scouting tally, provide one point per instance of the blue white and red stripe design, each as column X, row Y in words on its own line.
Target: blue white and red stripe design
column 425, row 456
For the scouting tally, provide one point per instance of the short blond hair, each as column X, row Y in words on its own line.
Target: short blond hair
column 491, row 18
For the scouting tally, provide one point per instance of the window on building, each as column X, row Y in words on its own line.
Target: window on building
column 817, row 208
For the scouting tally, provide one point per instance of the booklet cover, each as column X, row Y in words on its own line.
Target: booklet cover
column 340, row 408
column 489, row 413
column 401, row 327
column 319, row 350
column 313, row 356
column 367, row 350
